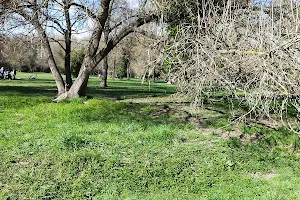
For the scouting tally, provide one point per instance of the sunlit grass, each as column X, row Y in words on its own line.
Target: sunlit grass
column 101, row 149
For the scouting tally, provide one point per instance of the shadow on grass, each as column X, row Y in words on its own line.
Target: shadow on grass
column 123, row 93
column 28, row 91
column 147, row 115
column 108, row 112
column 117, row 90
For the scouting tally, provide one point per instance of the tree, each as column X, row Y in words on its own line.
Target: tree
column 94, row 55
column 21, row 53
column 119, row 10
column 57, row 16
column 123, row 66
column 32, row 12
column 35, row 13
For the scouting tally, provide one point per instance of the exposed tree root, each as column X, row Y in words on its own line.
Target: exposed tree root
column 61, row 97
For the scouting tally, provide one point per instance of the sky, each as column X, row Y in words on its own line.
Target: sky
column 87, row 26
column 133, row 4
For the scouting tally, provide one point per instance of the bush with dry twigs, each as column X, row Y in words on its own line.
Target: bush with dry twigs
column 246, row 53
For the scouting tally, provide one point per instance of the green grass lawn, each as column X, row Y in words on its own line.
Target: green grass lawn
column 44, row 85
column 103, row 149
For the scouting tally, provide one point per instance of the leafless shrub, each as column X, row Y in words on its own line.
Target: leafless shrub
column 250, row 54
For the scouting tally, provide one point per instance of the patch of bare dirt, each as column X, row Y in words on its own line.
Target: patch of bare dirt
column 21, row 164
column 209, row 131
column 176, row 115
column 234, row 133
column 267, row 176
column 245, row 138
column 168, row 99
column 21, row 122
column 195, row 122
column 3, row 186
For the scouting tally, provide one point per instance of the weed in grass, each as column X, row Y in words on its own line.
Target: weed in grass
column 75, row 142
column 74, row 101
column 234, row 142
column 220, row 123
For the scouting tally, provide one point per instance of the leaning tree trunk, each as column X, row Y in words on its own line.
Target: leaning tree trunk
column 51, row 63
column 34, row 20
column 92, row 58
column 103, row 82
column 48, row 51
column 78, row 88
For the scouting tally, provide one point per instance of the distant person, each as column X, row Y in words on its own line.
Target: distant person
column 2, row 72
column 14, row 73
column 100, row 75
column 7, row 74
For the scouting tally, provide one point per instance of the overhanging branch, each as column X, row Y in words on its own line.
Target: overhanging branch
column 122, row 34
column 86, row 9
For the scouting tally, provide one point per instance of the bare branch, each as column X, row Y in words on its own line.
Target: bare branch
column 122, row 34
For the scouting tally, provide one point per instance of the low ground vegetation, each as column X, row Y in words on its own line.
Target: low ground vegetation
column 121, row 147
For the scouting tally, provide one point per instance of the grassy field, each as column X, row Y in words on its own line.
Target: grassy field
column 104, row 149
column 44, row 86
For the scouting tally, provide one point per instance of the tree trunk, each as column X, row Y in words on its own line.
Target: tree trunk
column 48, row 51
column 68, row 65
column 83, row 91
column 91, row 60
column 78, row 88
column 144, row 75
column 51, row 63
column 128, row 71
column 114, row 70
column 103, row 82
column 68, row 36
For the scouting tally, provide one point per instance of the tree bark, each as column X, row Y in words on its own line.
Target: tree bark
column 51, row 62
column 114, row 70
column 103, row 82
column 78, row 88
column 68, row 65
column 128, row 70
column 68, row 35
